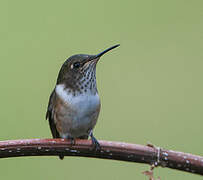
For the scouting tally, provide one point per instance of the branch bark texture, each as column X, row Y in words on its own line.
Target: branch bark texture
column 109, row 150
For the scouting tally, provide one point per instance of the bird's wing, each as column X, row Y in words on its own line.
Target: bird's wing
column 50, row 115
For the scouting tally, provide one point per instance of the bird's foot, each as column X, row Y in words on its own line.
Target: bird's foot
column 72, row 141
column 95, row 143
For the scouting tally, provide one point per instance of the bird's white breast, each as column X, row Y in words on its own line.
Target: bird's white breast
column 83, row 103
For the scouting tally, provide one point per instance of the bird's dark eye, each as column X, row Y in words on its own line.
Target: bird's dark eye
column 76, row 65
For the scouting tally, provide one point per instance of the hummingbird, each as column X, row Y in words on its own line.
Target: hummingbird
column 74, row 104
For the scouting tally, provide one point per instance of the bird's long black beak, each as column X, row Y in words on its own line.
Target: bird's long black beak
column 105, row 51
column 94, row 57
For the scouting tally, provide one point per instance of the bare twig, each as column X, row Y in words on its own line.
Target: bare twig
column 109, row 150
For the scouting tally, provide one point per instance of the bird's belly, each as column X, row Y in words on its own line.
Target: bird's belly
column 79, row 114
column 81, row 125
column 82, row 119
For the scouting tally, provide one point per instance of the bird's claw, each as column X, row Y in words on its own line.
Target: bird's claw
column 95, row 143
column 72, row 141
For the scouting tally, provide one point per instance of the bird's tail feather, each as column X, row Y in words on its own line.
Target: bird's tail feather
column 61, row 157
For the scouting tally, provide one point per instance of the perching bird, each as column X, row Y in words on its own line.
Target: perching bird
column 74, row 104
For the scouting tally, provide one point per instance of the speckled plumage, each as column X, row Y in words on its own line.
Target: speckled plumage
column 74, row 104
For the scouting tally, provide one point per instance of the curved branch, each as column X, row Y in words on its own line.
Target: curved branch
column 109, row 150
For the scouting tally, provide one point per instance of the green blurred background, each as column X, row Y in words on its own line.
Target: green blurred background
column 151, row 86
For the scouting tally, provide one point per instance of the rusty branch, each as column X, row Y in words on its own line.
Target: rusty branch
column 109, row 150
